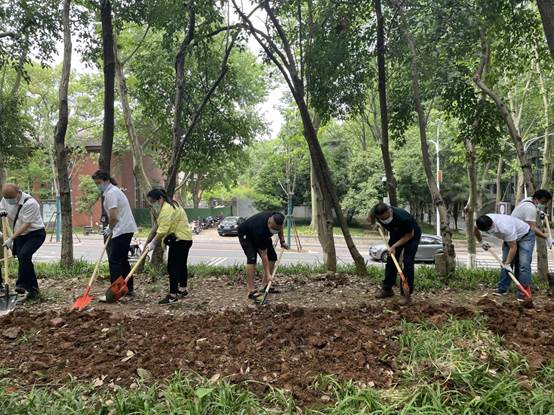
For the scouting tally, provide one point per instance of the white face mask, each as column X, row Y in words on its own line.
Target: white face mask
column 11, row 201
column 492, row 229
column 156, row 207
column 386, row 221
column 273, row 231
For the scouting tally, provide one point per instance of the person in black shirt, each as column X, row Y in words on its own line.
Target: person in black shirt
column 404, row 235
column 255, row 235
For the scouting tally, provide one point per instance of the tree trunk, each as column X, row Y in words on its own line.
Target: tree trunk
column 446, row 233
column 382, row 84
column 59, row 143
column 498, row 183
column 322, row 216
column 508, row 118
column 104, row 160
column 323, row 175
column 519, row 186
column 136, row 146
column 471, row 207
column 546, row 8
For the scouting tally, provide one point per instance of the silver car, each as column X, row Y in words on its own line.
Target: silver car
column 429, row 246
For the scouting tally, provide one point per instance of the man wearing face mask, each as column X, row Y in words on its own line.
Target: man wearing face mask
column 518, row 242
column 23, row 213
column 529, row 210
column 255, row 235
column 121, row 226
column 404, row 235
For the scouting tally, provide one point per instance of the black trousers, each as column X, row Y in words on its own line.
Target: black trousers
column 177, row 258
column 24, row 247
column 118, row 258
column 410, row 250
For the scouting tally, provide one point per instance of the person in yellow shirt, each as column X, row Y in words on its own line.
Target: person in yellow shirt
column 173, row 231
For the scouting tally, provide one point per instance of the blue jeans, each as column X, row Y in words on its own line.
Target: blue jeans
column 521, row 264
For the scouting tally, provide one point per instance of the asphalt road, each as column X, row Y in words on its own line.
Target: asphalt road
column 210, row 248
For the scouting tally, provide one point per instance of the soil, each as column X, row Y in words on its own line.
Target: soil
column 317, row 326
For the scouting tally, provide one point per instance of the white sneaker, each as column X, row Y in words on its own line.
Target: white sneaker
column 103, row 299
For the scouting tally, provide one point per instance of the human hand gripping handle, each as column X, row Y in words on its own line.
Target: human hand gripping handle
column 526, row 291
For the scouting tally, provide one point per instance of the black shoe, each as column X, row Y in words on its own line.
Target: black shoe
column 272, row 290
column 384, row 293
column 33, row 295
column 182, row 293
column 20, row 290
column 499, row 293
column 130, row 294
column 255, row 296
column 169, row 299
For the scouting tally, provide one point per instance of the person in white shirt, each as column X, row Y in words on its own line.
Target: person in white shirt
column 530, row 208
column 121, row 226
column 23, row 213
column 517, row 248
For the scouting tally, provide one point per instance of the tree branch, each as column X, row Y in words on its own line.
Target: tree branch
column 124, row 62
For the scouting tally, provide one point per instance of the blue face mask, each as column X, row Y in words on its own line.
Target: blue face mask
column 11, row 201
column 102, row 187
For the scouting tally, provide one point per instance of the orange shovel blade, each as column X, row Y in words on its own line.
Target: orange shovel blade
column 117, row 290
column 405, row 285
column 82, row 301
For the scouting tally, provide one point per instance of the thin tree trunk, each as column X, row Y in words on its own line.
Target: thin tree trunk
column 382, row 83
column 60, row 148
column 546, row 9
column 471, row 207
column 519, row 187
column 446, row 233
column 323, row 218
column 104, row 160
column 508, row 118
column 136, row 146
column 498, row 182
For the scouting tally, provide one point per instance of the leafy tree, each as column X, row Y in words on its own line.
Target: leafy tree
column 88, row 196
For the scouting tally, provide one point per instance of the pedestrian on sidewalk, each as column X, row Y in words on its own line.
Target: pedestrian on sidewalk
column 255, row 237
column 23, row 213
column 173, row 230
column 404, row 236
column 121, row 227
column 518, row 242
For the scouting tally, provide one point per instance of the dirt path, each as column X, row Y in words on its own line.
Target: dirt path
column 316, row 326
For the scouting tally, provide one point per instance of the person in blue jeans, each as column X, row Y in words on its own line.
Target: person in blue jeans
column 518, row 243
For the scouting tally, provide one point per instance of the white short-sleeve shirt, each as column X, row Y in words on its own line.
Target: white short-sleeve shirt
column 29, row 213
column 526, row 210
column 115, row 198
column 508, row 228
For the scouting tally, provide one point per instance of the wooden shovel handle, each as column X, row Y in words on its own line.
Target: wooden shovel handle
column 392, row 255
column 139, row 261
column 518, row 284
column 5, row 228
column 97, row 266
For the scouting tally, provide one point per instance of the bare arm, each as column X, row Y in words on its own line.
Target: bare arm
column 265, row 262
column 477, row 234
column 538, row 231
column 112, row 214
column 404, row 240
column 22, row 229
column 511, row 253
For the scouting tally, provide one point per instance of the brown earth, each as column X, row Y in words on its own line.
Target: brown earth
column 319, row 326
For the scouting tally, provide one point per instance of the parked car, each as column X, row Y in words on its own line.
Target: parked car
column 230, row 226
column 429, row 246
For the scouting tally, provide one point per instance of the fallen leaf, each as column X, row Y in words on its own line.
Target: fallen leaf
column 144, row 374
column 215, row 378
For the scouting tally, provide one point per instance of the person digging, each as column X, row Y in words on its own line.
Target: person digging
column 518, row 243
column 255, row 237
column 404, row 236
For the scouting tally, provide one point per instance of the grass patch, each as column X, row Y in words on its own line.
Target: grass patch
column 358, row 231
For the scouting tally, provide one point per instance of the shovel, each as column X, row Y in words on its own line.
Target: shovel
column 119, row 287
column 7, row 301
column 405, row 285
column 82, row 301
column 526, row 291
column 546, row 221
column 263, row 302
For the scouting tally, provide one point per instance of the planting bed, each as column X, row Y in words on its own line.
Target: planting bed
column 282, row 345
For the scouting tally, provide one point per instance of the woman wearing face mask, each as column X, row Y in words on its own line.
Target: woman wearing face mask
column 174, row 231
column 121, row 226
column 404, row 236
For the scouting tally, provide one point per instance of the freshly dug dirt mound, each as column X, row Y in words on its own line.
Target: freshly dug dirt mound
column 280, row 345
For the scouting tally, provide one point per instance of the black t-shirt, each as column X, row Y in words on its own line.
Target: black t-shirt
column 401, row 224
column 257, row 230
